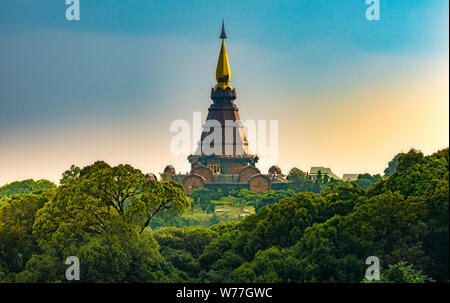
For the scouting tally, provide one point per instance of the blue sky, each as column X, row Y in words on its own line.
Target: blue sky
column 405, row 24
column 128, row 66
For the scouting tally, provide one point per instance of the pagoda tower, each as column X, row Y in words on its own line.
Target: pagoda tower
column 222, row 160
column 229, row 154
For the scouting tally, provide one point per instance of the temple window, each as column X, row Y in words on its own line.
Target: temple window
column 214, row 167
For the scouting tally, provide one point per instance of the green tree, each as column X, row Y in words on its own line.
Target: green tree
column 317, row 187
column 17, row 243
column 298, row 180
column 202, row 197
column 402, row 272
column 319, row 176
column 102, row 196
column 24, row 187
column 191, row 239
column 365, row 181
column 392, row 166
column 70, row 174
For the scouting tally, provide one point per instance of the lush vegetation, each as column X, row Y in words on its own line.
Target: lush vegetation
column 319, row 230
column 210, row 207
column 22, row 187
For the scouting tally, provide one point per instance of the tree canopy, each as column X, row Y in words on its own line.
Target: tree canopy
column 102, row 214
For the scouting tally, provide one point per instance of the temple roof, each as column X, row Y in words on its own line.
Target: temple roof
column 231, row 141
column 324, row 171
column 350, row 177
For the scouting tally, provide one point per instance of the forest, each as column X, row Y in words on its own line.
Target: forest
column 126, row 228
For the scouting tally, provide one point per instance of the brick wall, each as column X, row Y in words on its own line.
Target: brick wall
column 193, row 182
column 205, row 172
column 247, row 172
column 259, row 183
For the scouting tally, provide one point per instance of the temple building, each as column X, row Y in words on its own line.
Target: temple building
column 230, row 166
column 350, row 177
column 325, row 171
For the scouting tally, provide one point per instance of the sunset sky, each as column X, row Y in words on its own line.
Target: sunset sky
column 348, row 93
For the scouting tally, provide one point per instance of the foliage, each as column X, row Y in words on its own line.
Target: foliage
column 327, row 237
column 183, row 246
column 402, row 272
column 102, row 195
column 365, row 181
column 202, row 197
column 99, row 214
column 17, row 243
column 103, row 215
column 261, row 199
column 24, row 187
column 392, row 166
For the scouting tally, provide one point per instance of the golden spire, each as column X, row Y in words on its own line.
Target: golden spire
column 223, row 73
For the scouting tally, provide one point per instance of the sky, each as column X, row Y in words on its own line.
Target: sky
column 348, row 93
